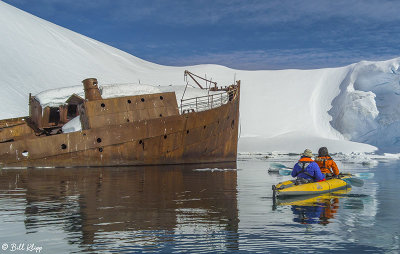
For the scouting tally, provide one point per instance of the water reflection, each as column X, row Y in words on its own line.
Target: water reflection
column 184, row 209
column 139, row 208
column 317, row 209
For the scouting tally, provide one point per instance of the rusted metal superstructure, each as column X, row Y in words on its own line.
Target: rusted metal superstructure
column 145, row 129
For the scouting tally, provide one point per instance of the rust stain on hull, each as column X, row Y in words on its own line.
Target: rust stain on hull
column 133, row 130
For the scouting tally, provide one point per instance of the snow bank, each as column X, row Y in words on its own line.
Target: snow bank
column 349, row 109
column 120, row 90
column 73, row 125
column 297, row 142
column 57, row 97
column 367, row 108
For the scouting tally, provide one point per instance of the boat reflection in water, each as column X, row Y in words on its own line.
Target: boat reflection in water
column 135, row 208
column 318, row 209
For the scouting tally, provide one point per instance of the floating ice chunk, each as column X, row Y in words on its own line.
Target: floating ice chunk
column 215, row 169
column 358, row 158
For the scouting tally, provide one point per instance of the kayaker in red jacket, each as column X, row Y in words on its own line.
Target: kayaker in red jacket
column 326, row 163
column 307, row 168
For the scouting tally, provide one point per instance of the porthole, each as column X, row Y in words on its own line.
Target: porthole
column 140, row 142
column 25, row 153
column 142, row 100
column 100, row 149
column 165, row 136
column 160, row 115
column 161, row 98
column 98, row 140
column 102, row 105
column 129, row 101
column 63, row 146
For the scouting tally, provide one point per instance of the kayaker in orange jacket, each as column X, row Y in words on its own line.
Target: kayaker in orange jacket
column 326, row 163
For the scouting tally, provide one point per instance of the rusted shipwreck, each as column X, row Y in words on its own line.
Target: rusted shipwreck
column 146, row 129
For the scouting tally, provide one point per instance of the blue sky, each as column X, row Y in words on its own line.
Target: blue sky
column 242, row 34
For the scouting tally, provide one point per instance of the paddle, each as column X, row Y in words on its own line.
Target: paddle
column 364, row 175
column 354, row 180
column 277, row 165
column 284, row 170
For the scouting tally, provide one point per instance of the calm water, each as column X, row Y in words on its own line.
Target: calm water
column 194, row 208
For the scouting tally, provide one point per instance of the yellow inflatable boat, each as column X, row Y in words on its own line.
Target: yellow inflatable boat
column 294, row 188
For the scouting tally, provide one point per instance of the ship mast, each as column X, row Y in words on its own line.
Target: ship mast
column 192, row 75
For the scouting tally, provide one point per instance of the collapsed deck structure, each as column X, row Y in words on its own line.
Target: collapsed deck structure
column 145, row 129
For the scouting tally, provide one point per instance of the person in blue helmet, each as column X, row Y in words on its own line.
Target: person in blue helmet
column 307, row 169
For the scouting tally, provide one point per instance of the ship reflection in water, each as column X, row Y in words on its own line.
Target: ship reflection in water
column 136, row 208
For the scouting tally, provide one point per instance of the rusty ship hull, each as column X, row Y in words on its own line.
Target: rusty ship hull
column 133, row 130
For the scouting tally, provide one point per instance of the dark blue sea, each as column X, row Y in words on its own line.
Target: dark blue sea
column 212, row 208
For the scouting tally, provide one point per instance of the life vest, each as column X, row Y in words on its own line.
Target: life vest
column 324, row 165
column 303, row 163
column 327, row 165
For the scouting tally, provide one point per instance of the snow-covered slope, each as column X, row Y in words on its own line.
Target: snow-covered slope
column 286, row 110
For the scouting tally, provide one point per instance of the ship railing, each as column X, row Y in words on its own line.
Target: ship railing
column 206, row 102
